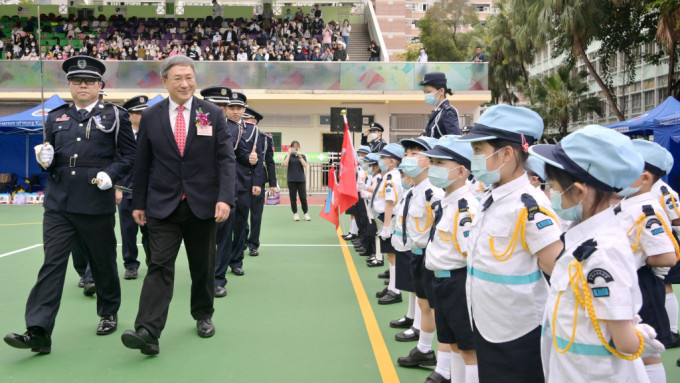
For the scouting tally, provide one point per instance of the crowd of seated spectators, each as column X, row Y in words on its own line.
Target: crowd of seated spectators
column 289, row 37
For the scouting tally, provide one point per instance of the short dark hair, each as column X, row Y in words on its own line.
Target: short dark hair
column 294, row 143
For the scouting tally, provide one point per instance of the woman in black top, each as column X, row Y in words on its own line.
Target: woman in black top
column 297, row 182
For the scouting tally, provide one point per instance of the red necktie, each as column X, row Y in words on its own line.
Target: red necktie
column 180, row 130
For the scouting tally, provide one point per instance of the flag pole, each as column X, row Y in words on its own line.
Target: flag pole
column 42, row 81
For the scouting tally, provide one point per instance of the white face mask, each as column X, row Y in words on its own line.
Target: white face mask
column 373, row 136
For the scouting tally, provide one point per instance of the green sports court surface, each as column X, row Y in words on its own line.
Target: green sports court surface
column 305, row 311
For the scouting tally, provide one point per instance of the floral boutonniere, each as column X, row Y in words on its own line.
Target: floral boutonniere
column 202, row 120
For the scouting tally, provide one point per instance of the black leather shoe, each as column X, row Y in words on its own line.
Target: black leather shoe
column 366, row 254
column 404, row 322
column 389, row 298
column 381, row 293
column 417, row 358
column 220, row 292
column 107, row 325
column 386, row 282
column 435, row 377
column 359, row 249
column 238, row 271
column 349, row 236
column 205, row 328
column 130, row 274
column 375, row 263
column 89, row 289
column 408, row 337
column 385, row 274
column 81, row 283
column 140, row 340
column 254, row 252
column 36, row 338
column 675, row 341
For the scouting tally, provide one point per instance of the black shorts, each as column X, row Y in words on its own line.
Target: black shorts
column 386, row 246
column 673, row 277
column 653, row 310
column 422, row 279
column 352, row 210
column 402, row 264
column 516, row 361
column 451, row 314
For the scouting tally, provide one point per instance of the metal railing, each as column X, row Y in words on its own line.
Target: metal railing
column 316, row 174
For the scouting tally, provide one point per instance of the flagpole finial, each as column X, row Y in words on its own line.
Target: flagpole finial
column 343, row 112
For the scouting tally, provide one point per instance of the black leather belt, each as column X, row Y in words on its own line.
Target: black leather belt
column 83, row 162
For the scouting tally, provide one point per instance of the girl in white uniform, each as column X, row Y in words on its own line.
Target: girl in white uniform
column 591, row 332
column 512, row 236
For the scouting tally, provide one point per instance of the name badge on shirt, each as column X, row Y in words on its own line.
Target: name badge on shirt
column 204, row 130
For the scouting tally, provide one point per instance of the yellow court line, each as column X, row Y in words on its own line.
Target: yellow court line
column 382, row 356
column 20, row 224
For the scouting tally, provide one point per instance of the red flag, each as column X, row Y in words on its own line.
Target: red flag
column 330, row 209
column 348, row 193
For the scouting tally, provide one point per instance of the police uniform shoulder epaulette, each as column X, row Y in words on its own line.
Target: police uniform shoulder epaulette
column 60, row 107
column 531, row 205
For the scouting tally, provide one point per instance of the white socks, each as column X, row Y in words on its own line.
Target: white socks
column 444, row 364
column 393, row 277
column 672, row 310
column 411, row 311
column 425, row 341
column 417, row 317
column 471, row 374
column 353, row 228
column 378, row 252
column 457, row 368
column 656, row 373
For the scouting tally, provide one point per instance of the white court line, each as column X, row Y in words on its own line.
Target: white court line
column 20, row 250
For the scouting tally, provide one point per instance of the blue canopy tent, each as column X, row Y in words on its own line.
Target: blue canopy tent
column 18, row 134
column 663, row 122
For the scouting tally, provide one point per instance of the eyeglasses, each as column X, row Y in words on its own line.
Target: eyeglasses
column 87, row 81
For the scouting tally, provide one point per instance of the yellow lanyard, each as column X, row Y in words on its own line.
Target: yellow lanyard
column 429, row 220
column 641, row 222
column 675, row 205
column 519, row 226
column 454, row 237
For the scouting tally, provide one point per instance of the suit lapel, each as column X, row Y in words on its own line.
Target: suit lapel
column 191, row 131
column 166, row 127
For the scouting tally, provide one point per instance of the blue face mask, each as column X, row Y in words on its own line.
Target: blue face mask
column 382, row 166
column 404, row 185
column 439, row 176
column 628, row 191
column 364, row 166
column 431, row 99
column 478, row 169
column 574, row 213
column 409, row 165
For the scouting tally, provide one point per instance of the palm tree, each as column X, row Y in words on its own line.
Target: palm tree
column 668, row 33
column 560, row 98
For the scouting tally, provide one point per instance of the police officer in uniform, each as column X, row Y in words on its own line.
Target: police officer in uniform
column 128, row 226
column 374, row 133
column 444, row 118
column 250, row 180
column 221, row 96
column 82, row 140
column 251, row 116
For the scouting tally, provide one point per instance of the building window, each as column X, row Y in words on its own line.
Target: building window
column 636, row 103
column 649, row 100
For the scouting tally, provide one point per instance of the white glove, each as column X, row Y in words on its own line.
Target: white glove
column 104, row 181
column 365, row 194
column 44, row 154
column 660, row 272
column 361, row 186
column 385, row 233
column 653, row 348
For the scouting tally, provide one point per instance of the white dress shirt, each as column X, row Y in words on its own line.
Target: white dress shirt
column 186, row 112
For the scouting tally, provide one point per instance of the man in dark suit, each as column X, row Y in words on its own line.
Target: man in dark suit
column 82, row 140
column 251, row 116
column 184, row 183
column 128, row 226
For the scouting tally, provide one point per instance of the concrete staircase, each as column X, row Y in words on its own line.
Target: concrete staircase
column 359, row 40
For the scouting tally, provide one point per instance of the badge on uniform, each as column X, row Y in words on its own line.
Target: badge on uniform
column 599, row 292
column 543, row 224
column 63, row 117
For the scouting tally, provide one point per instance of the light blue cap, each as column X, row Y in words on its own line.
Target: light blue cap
column 364, row 149
column 658, row 160
column 395, row 151
column 537, row 166
column 426, row 143
column 372, row 159
column 449, row 148
column 507, row 122
column 595, row 155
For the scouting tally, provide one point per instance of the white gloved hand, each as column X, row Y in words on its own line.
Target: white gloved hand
column 653, row 348
column 44, row 154
column 660, row 272
column 365, row 194
column 385, row 233
column 104, row 181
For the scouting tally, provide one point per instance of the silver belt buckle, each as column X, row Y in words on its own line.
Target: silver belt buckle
column 72, row 161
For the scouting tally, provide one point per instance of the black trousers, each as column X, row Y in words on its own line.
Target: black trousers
column 96, row 233
column 225, row 237
column 243, row 204
column 165, row 238
column 256, row 210
column 79, row 253
column 361, row 217
column 296, row 189
column 128, row 234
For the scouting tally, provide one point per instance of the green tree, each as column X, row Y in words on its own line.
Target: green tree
column 440, row 30
column 668, row 34
column 410, row 53
column 560, row 98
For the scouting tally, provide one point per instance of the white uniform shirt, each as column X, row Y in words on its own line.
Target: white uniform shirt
column 477, row 189
column 653, row 237
column 418, row 224
column 389, row 189
column 441, row 251
column 670, row 205
column 506, row 298
column 611, row 273
column 397, row 226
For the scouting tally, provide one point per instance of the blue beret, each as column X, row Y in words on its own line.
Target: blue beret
column 426, row 143
column 658, row 160
column 537, row 166
column 364, row 149
column 449, row 148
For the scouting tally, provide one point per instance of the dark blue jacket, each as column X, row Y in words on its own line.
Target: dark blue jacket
column 251, row 175
column 443, row 121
